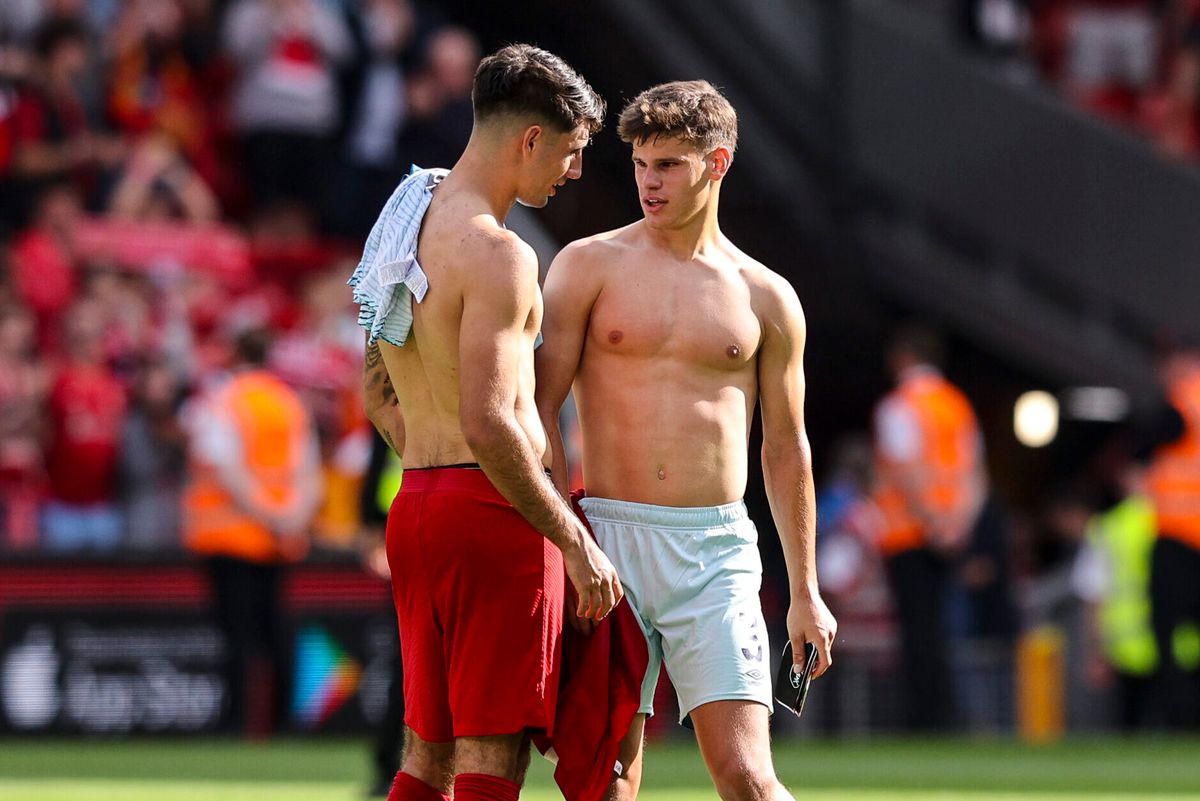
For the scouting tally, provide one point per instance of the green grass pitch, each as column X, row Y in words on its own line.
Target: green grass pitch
column 1157, row 769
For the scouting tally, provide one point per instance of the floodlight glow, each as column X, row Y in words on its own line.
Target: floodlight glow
column 1035, row 419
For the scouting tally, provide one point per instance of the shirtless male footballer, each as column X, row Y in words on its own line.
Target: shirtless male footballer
column 478, row 537
column 670, row 336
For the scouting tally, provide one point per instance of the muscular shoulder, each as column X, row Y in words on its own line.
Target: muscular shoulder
column 775, row 300
column 586, row 262
column 488, row 255
column 596, row 251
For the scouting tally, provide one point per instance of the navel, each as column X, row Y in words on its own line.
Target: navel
column 615, row 337
column 662, row 474
column 733, row 351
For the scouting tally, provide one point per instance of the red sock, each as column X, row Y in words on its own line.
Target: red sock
column 481, row 787
column 406, row 787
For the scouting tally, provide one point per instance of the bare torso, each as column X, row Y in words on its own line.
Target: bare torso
column 425, row 371
column 668, row 379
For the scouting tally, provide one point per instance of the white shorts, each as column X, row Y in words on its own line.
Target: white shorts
column 692, row 577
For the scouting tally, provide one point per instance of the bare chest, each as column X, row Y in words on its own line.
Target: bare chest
column 708, row 322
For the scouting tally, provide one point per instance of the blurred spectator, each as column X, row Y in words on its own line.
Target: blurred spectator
column 1174, row 487
column 23, row 390
column 155, row 83
column 439, row 100
column 286, row 105
column 44, row 258
column 157, row 184
column 254, row 484
column 1112, row 575
column 376, row 108
column 931, row 486
column 54, row 136
column 87, row 405
column 153, row 460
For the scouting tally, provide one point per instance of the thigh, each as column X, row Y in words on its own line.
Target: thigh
column 646, row 573
column 422, row 642
column 715, row 642
column 498, row 596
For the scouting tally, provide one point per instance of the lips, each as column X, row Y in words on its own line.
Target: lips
column 653, row 203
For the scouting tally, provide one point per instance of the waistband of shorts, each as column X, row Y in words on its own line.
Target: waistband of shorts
column 648, row 514
column 458, row 478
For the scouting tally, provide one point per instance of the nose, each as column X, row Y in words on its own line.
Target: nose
column 575, row 171
column 651, row 179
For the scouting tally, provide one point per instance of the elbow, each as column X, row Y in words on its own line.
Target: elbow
column 481, row 431
column 785, row 450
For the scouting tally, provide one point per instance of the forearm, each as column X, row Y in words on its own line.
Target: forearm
column 506, row 455
column 379, row 398
column 559, row 470
column 788, row 474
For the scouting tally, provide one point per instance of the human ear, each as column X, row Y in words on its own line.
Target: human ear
column 530, row 139
column 719, row 161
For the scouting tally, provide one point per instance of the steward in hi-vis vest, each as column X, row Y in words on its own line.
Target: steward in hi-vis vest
column 930, row 488
column 254, row 486
column 1173, row 482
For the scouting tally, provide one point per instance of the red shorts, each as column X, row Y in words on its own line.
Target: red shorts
column 479, row 597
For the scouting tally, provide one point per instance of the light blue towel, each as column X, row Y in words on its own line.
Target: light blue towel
column 388, row 279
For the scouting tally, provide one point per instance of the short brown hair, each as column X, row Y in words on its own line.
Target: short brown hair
column 523, row 79
column 693, row 111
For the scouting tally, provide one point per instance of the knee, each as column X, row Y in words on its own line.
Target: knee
column 737, row 781
column 432, row 763
column 505, row 756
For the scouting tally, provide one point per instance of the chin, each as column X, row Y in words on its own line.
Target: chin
column 538, row 203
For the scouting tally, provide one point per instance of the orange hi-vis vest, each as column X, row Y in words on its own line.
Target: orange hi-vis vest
column 946, row 461
column 274, row 433
column 1174, row 478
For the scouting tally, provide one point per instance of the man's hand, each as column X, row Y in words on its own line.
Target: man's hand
column 583, row 625
column 809, row 620
column 594, row 579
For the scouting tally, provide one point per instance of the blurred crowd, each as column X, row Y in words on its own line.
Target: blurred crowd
column 177, row 173
column 174, row 173
column 936, row 580
column 1136, row 62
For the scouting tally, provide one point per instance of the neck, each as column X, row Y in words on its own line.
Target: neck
column 693, row 238
column 483, row 171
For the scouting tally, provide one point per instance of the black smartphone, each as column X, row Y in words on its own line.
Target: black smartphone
column 791, row 683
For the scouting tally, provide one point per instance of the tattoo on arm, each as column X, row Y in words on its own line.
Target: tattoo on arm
column 374, row 355
column 382, row 405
